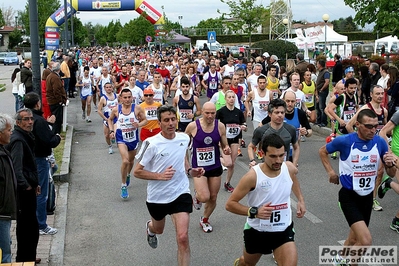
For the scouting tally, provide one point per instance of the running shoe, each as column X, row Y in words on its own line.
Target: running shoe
column 229, row 188
column 239, row 154
column 196, row 203
column 237, row 262
column 124, row 193
column 243, row 144
column 110, row 150
column 48, row 231
column 151, row 239
column 259, row 154
column 384, row 186
column 224, row 168
column 334, row 155
column 128, row 180
column 88, row 120
column 395, row 225
column 83, row 115
column 303, row 139
column 205, row 225
column 376, row 205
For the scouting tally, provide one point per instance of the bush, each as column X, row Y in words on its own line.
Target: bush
column 279, row 48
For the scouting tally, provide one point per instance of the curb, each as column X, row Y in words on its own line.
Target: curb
column 57, row 246
column 324, row 131
column 63, row 176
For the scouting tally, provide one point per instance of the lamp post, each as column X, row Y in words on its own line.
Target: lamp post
column 285, row 22
column 181, row 26
column 325, row 17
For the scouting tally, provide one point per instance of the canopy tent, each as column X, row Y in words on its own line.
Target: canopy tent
column 178, row 38
column 391, row 44
column 317, row 34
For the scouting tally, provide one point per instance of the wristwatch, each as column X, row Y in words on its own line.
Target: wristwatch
column 252, row 212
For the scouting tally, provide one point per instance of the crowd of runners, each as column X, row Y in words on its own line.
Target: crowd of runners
column 149, row 102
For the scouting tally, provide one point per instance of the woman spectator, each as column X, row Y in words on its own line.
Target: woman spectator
column 393, row 91
column 312, row 70
column 16, row 80
column 290, row 69
column 383, row 82
column 365, row 83
column 73, row 68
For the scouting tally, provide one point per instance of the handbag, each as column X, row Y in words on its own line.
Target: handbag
column 21, row 90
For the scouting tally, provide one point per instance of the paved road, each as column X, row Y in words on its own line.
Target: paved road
column 102, row 229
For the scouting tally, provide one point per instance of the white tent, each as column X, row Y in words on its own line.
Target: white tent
column 317, row 34
column 391, row 44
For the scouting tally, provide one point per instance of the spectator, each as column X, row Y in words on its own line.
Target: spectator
column 56, row 96
column 322, row 86
column 26, row 75
column 301, row 66
column 16, row 80
column 8, row 189
column 337, row 70
column 21, row 149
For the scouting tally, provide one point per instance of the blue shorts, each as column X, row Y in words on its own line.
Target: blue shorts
column 131, row 146
column 85, row 97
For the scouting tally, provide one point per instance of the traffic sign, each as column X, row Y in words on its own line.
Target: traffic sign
column 148, row 38
column 211, row 36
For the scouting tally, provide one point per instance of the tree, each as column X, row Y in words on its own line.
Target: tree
column 211, row 23
column 344, row 25
column 245, row 15
column 134, row 31
column 2, row 21
column 8, row 15
column 15, row 38
column 45, row 8
column 79, row 31
column 381, row 12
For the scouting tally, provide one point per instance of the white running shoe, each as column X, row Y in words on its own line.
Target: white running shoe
column 110, row 150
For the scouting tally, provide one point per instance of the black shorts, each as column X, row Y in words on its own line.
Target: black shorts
column 235, row 140
column 257, row 242
column 214, row 172
column 355, row 207
column 158, row 211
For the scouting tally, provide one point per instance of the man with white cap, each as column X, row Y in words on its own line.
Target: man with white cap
column 273, row 61
column 264, row 62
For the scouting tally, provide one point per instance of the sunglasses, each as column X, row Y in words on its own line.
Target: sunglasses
column 148, row 95
column 369, row 126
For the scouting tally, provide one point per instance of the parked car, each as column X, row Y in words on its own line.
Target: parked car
column 2, row 56
column 11, row 59
column 363, row 50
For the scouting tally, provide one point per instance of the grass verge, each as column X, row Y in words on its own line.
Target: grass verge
column 59, row 151
column 2, row 87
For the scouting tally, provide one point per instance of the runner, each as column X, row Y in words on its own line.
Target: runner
column 168, row 186
column 308, row 87
column 269, row 227
column 211, row 81
column 219, row 98
column 188, row 105
column 150, row 109
column 360, row 155
column 107, row 102
column 158, row 89
column 206, row 133
column 129, row 118
column 86, row 83
column 234, row 121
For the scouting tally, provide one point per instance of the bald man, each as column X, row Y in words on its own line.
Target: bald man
column 207, row 133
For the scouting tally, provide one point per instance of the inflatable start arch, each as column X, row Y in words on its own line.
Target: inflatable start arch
column 52, row 34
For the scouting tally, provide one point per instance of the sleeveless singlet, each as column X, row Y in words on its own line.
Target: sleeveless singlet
column 206, row 152
column 125, row 131
column 258, row 104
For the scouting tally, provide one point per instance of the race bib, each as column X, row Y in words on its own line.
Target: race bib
column 379, row 127
column 205, row 156
column 151, row 113
column 232, row 130
column 275, row 94
column 263, row 104
column 298, row 103
column 348, row 115
column 279, row 219
column 213, row 85
column 363, row 182
column 184, row 113
column 129, row 133
column 309, row 98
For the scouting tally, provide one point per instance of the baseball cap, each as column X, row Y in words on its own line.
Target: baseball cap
column 148, row 91
column 266, row 54
column 274, row 57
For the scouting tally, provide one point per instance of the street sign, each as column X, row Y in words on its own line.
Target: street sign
column 148, row 38
column 211, row 36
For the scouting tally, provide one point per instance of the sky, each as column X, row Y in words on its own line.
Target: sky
column 193, row 12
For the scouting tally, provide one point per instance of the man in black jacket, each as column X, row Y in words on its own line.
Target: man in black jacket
column 45, row 140
column 337, row 70
column 21, row 148
column 8, row 189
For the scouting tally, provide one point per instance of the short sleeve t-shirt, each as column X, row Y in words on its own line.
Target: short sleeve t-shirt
column 286, row 132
